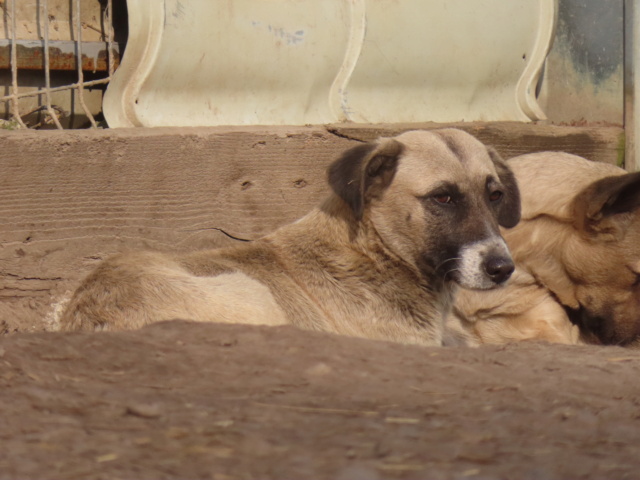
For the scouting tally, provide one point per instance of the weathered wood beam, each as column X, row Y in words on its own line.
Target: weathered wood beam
column 599, row 143
column 70, row 198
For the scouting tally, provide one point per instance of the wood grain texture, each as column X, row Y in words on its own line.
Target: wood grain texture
column 69, row 199
column 602, row 144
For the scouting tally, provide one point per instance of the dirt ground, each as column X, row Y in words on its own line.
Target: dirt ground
column 181, row 400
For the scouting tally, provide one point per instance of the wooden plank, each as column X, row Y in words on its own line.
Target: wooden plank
column 69, row 199
column 603, row 144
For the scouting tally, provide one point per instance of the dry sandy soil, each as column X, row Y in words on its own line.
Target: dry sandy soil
column 180, row 400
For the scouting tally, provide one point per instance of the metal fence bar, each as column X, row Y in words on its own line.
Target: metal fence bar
column 80, row 72
column 53, row 112
column 47, row 76
column 110, row 34
column 15, row 109
column 71, row 86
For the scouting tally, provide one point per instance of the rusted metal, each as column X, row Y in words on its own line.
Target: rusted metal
column 79, row 46
column 52, row 114
column 39, row 58
column 62, row 55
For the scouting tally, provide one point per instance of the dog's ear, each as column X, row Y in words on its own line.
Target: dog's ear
column 364, row 172
column 509, row 209
column 604, row 207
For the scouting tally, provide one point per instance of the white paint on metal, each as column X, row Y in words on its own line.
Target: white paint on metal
column 300, row 62
column 146, row 28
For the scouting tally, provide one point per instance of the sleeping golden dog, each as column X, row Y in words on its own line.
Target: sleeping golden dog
column 577, row 255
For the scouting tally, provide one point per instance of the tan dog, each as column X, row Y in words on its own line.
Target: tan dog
column 409, row 218
column 577, row 252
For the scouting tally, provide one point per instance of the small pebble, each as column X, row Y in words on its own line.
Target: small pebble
column 144, row 410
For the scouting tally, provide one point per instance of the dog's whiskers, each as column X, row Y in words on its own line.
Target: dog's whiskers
column 450, row 271
column 452, row 259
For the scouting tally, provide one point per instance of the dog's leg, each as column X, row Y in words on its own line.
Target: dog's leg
column 130, row 291
column 124, row 292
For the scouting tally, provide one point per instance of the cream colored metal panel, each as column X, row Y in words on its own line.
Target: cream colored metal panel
column 449, row 60
column 206, row 62
column 245, row 62
column 146, row 28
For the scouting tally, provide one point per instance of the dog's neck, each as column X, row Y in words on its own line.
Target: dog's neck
column 341, row 239
column 352, row 269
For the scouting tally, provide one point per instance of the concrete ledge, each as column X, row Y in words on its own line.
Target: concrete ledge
column 69, row 199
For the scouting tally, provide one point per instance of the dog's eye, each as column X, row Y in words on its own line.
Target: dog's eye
column 443, row 199
column 495, row 196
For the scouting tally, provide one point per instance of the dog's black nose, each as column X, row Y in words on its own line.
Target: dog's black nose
column 499, row 269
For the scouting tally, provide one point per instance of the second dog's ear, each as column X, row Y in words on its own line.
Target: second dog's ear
column 364, row 172
column 509, row 209
column 603, row 206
